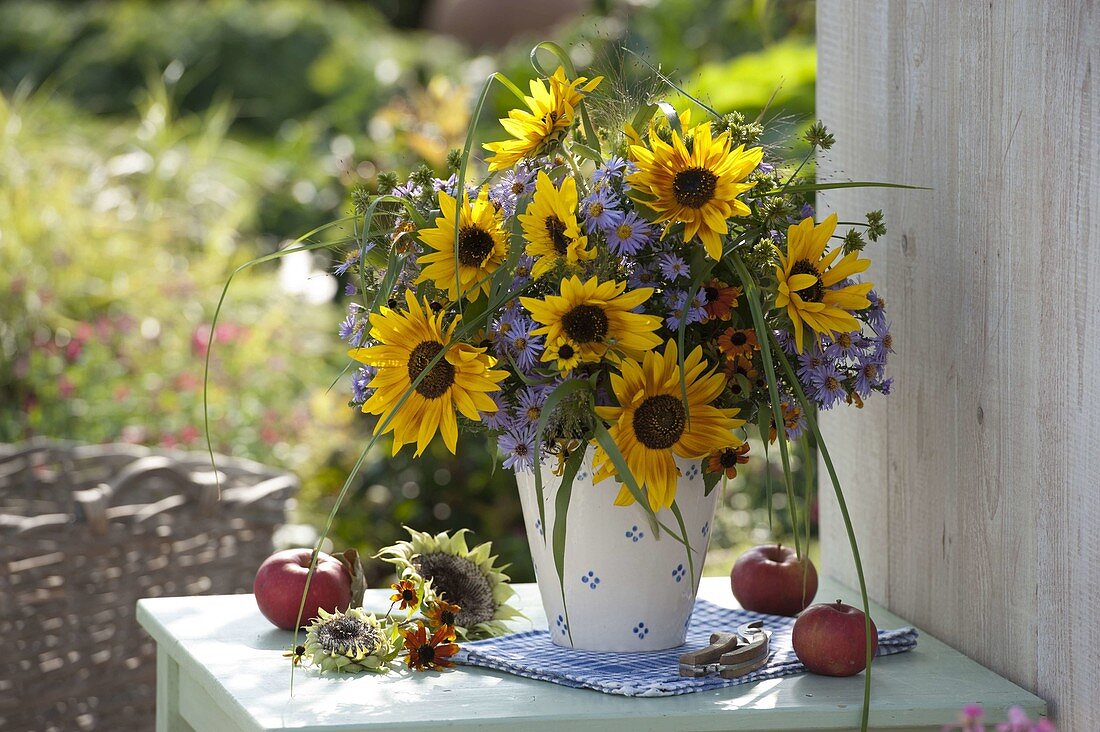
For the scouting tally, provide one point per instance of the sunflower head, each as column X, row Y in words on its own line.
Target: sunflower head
column 413, row 344
column 594, row 320
column 654, row 424
column 349, row 642
column 467, row 578
column 482, row 247
column 814, row 286
column 428, row 651
column 696, row 186
column 550, row 113
column 550, row 226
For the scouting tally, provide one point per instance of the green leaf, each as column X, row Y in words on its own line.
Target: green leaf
column 561, row 391
column 561, row 514
column 807, row 187
column 710, row 480
column 683, row 532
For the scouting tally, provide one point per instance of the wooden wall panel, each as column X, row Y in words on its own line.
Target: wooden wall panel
column 976, row 484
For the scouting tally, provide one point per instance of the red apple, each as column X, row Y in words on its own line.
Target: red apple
column 769, row 579
column 282, row 578
column 832, row 639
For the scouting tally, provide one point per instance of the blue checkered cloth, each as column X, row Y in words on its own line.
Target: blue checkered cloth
column 654, row 673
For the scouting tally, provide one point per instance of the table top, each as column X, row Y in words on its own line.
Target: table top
column 234, row 656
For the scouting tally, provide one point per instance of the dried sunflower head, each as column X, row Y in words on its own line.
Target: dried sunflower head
column 462, row 576
column 350, row 641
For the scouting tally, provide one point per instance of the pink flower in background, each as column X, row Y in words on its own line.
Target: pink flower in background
column 189, row 434
column 224, row 333
column 65, row 387
column 187, row 381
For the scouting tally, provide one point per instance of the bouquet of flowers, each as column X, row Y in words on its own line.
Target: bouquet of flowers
column 649, row 285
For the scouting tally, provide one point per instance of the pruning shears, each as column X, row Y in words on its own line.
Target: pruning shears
column 730, row 655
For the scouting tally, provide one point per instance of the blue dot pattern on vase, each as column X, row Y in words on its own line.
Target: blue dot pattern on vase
column 635, row 535
column 641, row 631
column 562, row 625
column 706, row 528
column 678, row 573
column 538, row 526
column 583, row 475
column 692, row 472
column 590, row 579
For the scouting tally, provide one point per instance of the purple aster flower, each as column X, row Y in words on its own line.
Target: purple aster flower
column 813, row 367
column 681, row 310
column 350, row 260
column 845, row 345
column 360, row 384
column 868, row 376
column 632, row 233
column 882, row 345
column 518, row 447
column 350, row 289
column 831, row 388
column 765, row 168
column 503, row 417
column 673, row 267
column 876, row 314
column 408, row 190
column 523, row 271
column 524, row 347
column 615, row 168
column 531, row 400
column 448, row 186
column 601, row 211
column 786, row 341
column 886, row 386
column 643, row 275
column 807, row 211
column 352, row 328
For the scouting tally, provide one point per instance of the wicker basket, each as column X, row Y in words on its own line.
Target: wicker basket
column 86, row 531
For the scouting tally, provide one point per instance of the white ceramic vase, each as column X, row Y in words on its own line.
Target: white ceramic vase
column 625, row 587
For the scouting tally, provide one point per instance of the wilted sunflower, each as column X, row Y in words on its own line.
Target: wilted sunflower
column 349, row 641
column 596, row 317
column 482, row 247
column 808, row 281
column 424, row 652
column 549, row 115
column 651, row 425
column 697, row 186
column 465, row 577
column 550, row 226
column 407, row 342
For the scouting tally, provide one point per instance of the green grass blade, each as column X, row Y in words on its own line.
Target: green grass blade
column 683, row 532
column 761, row 327
column 561, row 514
column 561, row 391
column 808, row 187
column 811, row 421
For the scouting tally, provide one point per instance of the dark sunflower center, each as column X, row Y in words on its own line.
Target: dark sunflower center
column 659, row 421
column 439, row 379
column 694, row 187
column 711, row 293
column 447, row 617
column 427, row 653
column 566, row 352
column 728, row 458
column 474, row 245
column 460, row 582
column 344, row 633
column 408, row 595
column 738, row 338
column 814, row 292
column 555, row 229
column 585, row 324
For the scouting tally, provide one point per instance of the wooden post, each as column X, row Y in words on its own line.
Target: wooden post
column 976, row 484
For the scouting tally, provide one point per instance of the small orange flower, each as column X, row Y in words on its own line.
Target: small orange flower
column 441, row 615
column 727, row 459
column 736, row 343
column 720, row 299
column 792, row 416
column 404, row 592
column 424, row 653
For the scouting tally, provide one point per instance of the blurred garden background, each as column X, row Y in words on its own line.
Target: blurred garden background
column 147, row 149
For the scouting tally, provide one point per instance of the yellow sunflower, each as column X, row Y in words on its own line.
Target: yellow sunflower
column 550, row 226
column 564, row 354
column 807, row 276
column 482, row 247
column 651, row 425
column 594, row 318
column 462, row 379
column 549, row 115
column 698, row 187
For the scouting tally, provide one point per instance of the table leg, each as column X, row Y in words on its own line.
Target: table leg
column 168, row 695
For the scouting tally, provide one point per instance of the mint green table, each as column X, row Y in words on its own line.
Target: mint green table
column 219, row 667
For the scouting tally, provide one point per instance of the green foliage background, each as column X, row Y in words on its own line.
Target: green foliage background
column 149, row 148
